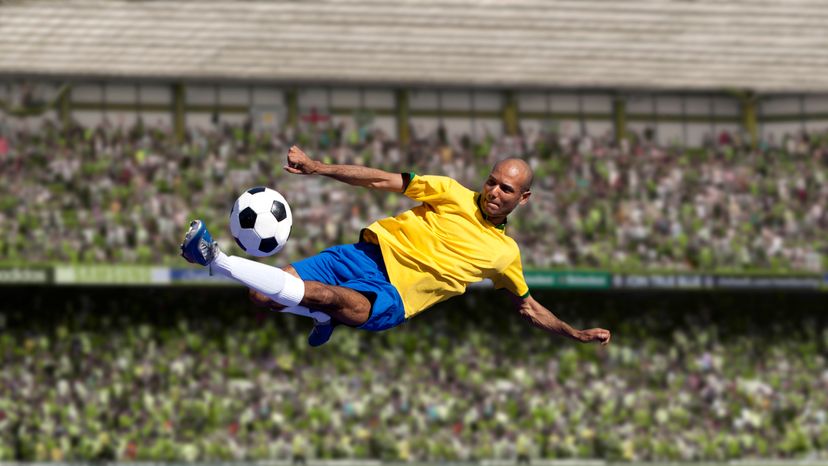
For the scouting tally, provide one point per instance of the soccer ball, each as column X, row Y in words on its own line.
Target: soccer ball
column 260, row 221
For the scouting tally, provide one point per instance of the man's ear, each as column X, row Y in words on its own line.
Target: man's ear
column 524, row 198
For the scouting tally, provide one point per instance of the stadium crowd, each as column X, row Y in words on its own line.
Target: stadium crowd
column 131, row 376
column 116, row 194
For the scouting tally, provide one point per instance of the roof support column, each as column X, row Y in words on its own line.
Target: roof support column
column 402, row 110
column 65, row 107
column 749, row 118
column 619, row 118
column 511, row 119
column 292, row 103
column 179, row 118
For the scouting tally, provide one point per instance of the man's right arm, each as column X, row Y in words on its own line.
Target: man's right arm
column 300, row 164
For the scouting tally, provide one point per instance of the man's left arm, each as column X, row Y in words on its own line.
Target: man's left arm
column 543, row 318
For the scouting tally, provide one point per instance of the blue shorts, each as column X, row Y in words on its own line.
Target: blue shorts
column 361, row 268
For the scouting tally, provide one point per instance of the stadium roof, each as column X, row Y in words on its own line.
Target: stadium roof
column 761, row 45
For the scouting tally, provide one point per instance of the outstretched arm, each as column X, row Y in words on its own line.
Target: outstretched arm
column 543, row 318
column 300, row 164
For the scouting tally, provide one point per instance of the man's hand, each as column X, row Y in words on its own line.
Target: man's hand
column 599, row 335
column 299, row 163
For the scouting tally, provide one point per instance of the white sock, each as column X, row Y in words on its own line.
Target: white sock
column 319, row 316
column 274, row 282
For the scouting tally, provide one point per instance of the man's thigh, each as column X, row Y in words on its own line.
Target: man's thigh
column 333, row 266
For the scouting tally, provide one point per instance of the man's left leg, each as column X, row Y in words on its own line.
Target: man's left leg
column 346, row 304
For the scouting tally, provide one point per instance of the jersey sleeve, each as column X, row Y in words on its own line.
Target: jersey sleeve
column 428, row 188
column 512, row 279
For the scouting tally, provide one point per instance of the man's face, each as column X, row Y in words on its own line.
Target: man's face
column 503, row 191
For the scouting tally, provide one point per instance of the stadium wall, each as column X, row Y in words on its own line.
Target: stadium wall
column 686, row 119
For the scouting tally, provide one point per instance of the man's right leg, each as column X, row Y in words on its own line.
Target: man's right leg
column 199, row 248
column 284, row 287
column 273, row 282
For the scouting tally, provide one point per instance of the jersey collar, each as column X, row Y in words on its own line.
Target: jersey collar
column 501, row 226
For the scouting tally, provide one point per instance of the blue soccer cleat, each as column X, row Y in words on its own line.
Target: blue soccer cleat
column 198, row 246
column 321, row 333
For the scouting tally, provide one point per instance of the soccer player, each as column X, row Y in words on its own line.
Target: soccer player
column 402, row 265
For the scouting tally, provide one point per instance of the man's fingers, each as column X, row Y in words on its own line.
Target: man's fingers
column 600, row 335
column 293, row 170
column 295, row 152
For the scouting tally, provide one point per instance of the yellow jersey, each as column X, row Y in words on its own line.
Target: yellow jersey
column 435, row 250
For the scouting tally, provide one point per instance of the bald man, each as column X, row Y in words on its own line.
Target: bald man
column 402, row 265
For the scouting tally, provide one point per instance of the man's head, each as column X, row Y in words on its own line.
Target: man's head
column 507, row 187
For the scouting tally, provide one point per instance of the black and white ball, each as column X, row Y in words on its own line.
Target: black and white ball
column 260, row 221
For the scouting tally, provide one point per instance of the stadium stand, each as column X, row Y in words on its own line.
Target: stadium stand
column 123, row 195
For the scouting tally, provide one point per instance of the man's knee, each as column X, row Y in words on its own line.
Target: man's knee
column 289, row 269
column 350, row 306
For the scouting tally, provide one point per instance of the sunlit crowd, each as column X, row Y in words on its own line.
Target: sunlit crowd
column 126, row 194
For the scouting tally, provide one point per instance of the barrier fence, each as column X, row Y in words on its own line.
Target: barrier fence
column 536, row 279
